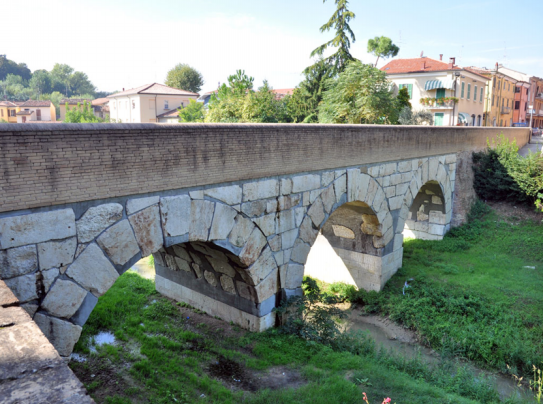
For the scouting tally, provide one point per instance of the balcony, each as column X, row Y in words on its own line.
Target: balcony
column 506, row 110
column 539, row 95
column 438, row 103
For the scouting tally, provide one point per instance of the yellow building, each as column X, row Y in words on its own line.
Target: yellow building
column 8, row 111
column 499, row 97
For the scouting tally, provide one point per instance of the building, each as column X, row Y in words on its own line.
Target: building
column 100, row 107
column 8, row 111
column 522, row 94
column 535, row 115
column 31, row 110
column 499, row 97
column 454, row 95
column 282, row 93
column 146, row 103
column 169, row 117
column 72, row 103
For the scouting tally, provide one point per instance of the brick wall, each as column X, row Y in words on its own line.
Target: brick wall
column 44, row 165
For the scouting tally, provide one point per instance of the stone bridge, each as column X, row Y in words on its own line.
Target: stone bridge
column 229, row 212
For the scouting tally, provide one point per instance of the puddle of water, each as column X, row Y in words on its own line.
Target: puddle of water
column 397, row 340
column 143, row 268
column 103, row 337
column 78, row 358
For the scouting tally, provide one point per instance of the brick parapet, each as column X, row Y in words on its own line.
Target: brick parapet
column 44, row 166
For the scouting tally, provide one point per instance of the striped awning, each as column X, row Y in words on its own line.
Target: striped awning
column 463, row 117
column 435, row 84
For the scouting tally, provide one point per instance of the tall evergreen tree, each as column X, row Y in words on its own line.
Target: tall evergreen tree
column 339, row 22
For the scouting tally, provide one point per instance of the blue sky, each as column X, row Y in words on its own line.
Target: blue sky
column 124, row 44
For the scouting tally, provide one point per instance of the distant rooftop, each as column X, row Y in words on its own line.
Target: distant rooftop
column 73, row 101
column 34, row 103
column 174, row 113
column 154, row 88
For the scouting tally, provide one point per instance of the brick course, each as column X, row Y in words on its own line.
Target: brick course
column 44, row 166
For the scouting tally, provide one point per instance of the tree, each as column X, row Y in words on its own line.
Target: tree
column 194, row 112
column 304, row 103
column 40, row 82
column 263, row 106
column 61, row 74
column 184, row 77
column 81, row 114
column 80, row 84
column 361, row 94
column 340, row 23
column 382, row 47
column 10, row 67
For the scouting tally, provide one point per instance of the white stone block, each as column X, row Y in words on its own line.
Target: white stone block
column 18, row 261
column 223, row 222
column 437, row 217
column 327, row 177
column 404, row 166
column 175, row 212
column 288, row 238
column 231, row 195
column 199, row 194
column 261, row 190
column 340, row 187
column 62, row 334
column 96, row 220
column 387, row 169
column 146, row 226
column 286, row 186
column 266, row 223
column 201, row 216
column 35, row 228
column 93, row 271
column 316, row 212
column 135, row 205
column 64, row 299
column 23, row 287
column 241, row 231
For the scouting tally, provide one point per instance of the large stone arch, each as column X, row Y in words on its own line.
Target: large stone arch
column 59, row 267
column 434, row 172
column 363, row 200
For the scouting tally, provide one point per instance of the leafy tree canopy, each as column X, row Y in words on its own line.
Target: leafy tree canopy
column 10, row 67
column 407, row 117
column 339, row 23
column 194, row 112
column 361, row 94
column 382, row 47
column 184, row 77
column 81, row 114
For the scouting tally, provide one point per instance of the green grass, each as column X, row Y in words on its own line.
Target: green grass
column 155, row 361
column 471, row 294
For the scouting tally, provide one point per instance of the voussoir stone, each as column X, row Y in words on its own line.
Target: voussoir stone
column 64, row 299
column 253, row 247
column 93, row 271
column 260, row 190
column 201, row 216
column 18, row 261
column 62, row 334
column 49, row 277
column 222, row 266
column 119, row 243
column 146, row 225
column 36, row 228
column 241, row 231
column 97, row 219
column 262, row 267
column 55, row 254
column 175, row 211
column 223, row 222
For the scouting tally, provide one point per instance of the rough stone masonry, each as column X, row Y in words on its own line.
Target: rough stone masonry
column 230, row 220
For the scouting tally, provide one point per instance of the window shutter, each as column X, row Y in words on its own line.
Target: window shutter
column 410, row 90
column 462, row 93
column 475, row 93
column 469, row 91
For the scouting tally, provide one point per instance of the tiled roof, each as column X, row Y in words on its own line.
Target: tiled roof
column 416, row 65
column 9, row 104
column 100, row 101
column 169, row 114
column 154, row 88
column 73, row 101
column 284, row 91
column 34, row 103
column 24, row 112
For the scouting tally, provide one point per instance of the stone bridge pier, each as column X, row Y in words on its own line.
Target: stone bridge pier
column 227, row 238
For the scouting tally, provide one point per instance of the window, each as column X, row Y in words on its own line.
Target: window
column 462, row 92
column 151, row 104
column 440, row 93
column 469, row 91
column 133, row 104
column 492, row 100
column 38, row 114
column 2, row 113
column 508, row 86
column 517, row 104
column 166, row 106
column 409, row 89
column 474, row 93
column 504, row 84
column 517, row 89
column 494, row 83
column 482, row 91
column 501, row 122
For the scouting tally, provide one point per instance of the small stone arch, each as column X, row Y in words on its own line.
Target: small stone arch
column 108, row 239
column 356, row 194
column 431, row 173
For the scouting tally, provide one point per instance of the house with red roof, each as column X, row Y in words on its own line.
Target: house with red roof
column 145, row 103
column 454, row 95
column 36, row 111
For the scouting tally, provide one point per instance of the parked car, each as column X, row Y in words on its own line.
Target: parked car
column 537, row 132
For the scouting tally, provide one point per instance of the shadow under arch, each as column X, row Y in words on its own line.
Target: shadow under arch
column 352, row 215
column 426, row 209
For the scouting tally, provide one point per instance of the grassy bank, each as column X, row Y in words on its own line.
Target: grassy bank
column 477, row 294
column 167, row 353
